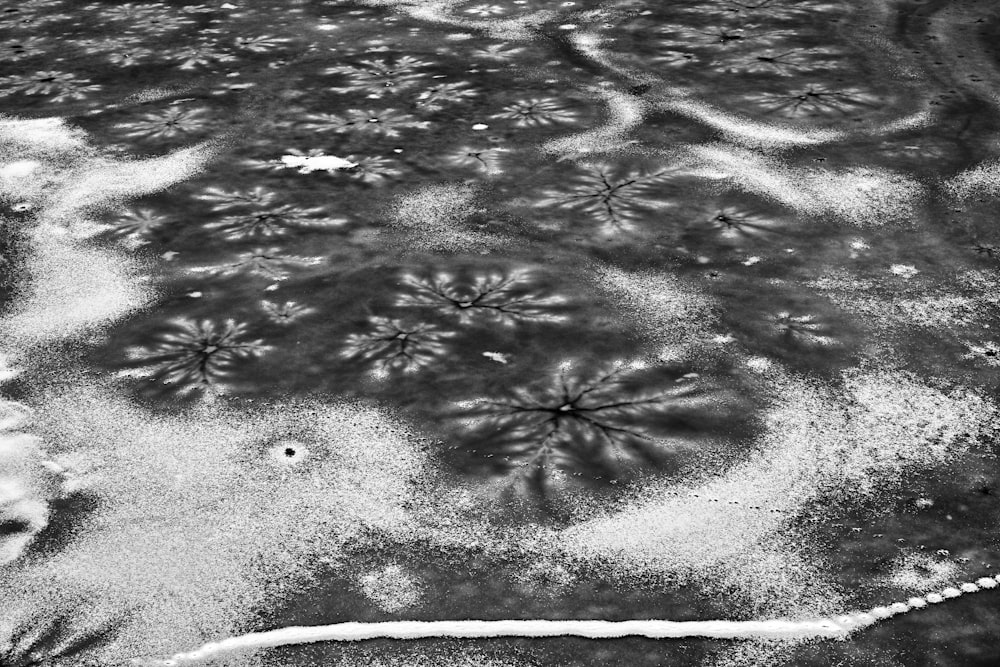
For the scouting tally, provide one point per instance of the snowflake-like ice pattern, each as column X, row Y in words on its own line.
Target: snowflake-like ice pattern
column 123, row 49
column 224, row 200
column 270, row 222
column 378, row 77
column 479, row 158
column 195, row 355
column 760, row 9
column 781, row 62
column 503, row 52
column 166, row 124
column 58, row 86
column 145, row 18
column 52, row 641
column 439, row 96
column 537, row 112
column 133, row 56
column 260, row 43
column 672, row 58
column 135, row 227
column 35, row 12
column 736, row 223
column 814, row 100
column 268, row 263
column 195, row 56
column 396, row 345
column 28, row 47
column 802, row 329
column 287, row 312
column 683, row 37
column 609, row 194
column 373, row 170
column 381, row 122
column 586, row 419
column 495, row 296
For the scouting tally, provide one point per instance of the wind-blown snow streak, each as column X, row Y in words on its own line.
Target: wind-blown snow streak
column 865, row 197
column 823, row 628
column 625, row 112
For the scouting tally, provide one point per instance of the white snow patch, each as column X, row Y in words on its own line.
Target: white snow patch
column 665, row 309
column 307, row 164
column 60, row 301
column 432, row 218
column 195, row 526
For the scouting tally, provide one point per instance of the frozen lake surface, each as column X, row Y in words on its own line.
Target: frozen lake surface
column 520, row 334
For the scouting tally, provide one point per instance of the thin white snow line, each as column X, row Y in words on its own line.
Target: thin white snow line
column 821, row 628
column 654, row 629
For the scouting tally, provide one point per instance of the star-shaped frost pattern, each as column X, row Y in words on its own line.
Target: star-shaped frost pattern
column 27, row 47
column 55, row 640
column 779, row 10
column 59, row 86
column 285, row 313
column 269, row 222
column 614, row 196
column 260, row 43
column 199, row 55
column 735, row 223
column 268, row 263
column 373, row 170
column 195, row 355
column 723, row 36
column 380, row 77
column 392, row 346
column 438, row 97
column 781, row 62
column 484, row 296
column 381, row 122
column 815, row 100
column 169, row 123
column 537, row 112
column 477, row 158
column 802, row 329
column 225, row 200
column 136, row 227
column 588, row 420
